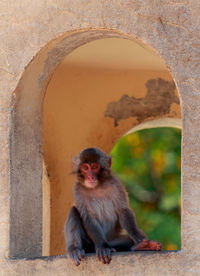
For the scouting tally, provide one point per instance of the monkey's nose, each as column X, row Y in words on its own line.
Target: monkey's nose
column 92, row 177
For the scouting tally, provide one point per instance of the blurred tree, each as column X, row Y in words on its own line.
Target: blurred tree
column 148, row 162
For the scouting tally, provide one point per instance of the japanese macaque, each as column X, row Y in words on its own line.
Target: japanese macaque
column 101, row 212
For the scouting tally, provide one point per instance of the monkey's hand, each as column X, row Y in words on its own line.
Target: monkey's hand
column 76, row 254
column 148, row 245
column 104, row 254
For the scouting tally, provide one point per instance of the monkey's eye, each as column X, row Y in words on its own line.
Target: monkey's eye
column 95, row 166
column 84, row 167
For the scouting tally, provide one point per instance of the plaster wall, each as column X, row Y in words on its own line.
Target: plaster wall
column 35, row 37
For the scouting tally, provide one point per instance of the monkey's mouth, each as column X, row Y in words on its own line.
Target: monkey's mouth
column 91, row 184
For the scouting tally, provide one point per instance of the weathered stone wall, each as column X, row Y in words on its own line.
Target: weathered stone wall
column 44, row 32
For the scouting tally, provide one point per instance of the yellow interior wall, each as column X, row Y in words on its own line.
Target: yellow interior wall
column 73, row 119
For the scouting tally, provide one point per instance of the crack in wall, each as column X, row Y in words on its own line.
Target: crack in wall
column 159, row 97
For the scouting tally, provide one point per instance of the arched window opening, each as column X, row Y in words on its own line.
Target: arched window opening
column 98, row 92
column 86, row 88
column 148, row 162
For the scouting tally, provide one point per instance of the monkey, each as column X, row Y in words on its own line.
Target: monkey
column 101, row 212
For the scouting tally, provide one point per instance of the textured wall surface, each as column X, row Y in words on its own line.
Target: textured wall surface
column 46, row 31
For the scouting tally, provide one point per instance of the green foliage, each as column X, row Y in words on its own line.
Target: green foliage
column 148, row 162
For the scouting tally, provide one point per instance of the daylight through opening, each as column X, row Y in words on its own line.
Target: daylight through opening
column 148, row 162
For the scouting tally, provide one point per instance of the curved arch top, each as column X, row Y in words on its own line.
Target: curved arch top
column 165, row 122
column 26, row 139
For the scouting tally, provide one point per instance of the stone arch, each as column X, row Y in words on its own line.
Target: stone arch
column 164, row 122
column 26, row 140
column 71, row 120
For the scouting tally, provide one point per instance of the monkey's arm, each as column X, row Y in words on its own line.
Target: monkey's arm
column 96, row 234
column 73, row 230
column 127, row 221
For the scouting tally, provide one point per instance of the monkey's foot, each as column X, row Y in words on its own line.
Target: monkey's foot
column 148, row 245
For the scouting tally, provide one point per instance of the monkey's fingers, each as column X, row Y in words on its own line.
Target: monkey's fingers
column 77, row 255
column 109, row 251
column 104, row 255
column 108, row 255
column 75, row 259
column 99, row 255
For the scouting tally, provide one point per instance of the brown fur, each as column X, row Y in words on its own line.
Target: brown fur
column 100, row 214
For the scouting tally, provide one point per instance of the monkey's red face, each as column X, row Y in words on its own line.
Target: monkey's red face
column 90, row 173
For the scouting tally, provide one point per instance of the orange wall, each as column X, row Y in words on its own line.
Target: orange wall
column 74, row 107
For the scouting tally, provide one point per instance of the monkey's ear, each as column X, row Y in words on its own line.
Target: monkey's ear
column 109, row 161
column 75, row 162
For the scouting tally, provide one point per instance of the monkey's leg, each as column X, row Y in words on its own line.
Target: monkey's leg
column 121, row 243
column 76, row 238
